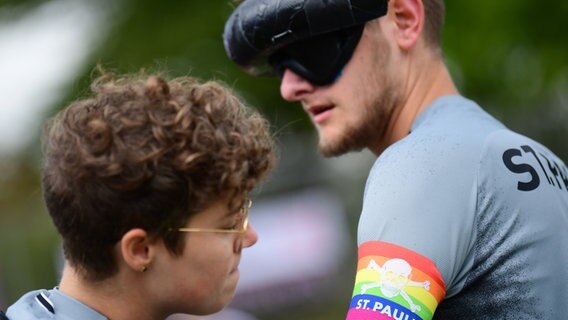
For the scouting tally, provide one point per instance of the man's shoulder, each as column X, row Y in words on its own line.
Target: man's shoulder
column 454, row 114
column 450, row 134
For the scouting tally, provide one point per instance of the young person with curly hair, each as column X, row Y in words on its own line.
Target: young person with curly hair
column 146, row 182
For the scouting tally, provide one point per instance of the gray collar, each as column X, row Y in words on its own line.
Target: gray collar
column 67, row 308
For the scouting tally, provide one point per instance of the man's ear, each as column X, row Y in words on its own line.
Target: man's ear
column 409, row 18
column 137, row 249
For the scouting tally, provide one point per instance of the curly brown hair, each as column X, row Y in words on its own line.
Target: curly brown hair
column 145, row 152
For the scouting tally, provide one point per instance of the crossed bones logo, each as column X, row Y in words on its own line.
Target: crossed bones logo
column 394, row 277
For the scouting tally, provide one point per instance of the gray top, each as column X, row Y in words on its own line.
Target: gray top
column 465, row 218
column 51, row 304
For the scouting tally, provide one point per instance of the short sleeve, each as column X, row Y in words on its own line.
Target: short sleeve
column 418, row 226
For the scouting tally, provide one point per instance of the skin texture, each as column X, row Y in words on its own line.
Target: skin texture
column 393, row 75
column 201, row 280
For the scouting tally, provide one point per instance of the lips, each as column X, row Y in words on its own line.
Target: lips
column 319, row 113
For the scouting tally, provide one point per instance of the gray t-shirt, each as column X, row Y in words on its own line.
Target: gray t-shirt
column 51, row 304
column 463, row 219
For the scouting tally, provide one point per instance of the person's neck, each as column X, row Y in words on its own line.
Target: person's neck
column 427, row 80
column 112, row 297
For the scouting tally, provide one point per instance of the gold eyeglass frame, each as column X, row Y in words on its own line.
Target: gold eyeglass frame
column 244, row 209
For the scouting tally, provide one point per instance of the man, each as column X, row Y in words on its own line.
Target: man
column 147, row 183
column 462, row 218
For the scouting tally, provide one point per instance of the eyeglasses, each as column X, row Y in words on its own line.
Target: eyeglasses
column 241, row 225
column 319, row 59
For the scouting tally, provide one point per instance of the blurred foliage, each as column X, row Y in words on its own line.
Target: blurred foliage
column 509, row 55
column 185, row 38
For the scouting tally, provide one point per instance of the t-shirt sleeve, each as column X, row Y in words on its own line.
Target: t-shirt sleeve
column 416, row 231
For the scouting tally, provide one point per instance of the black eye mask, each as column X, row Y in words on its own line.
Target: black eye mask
column 314, row 38
column 320, row 59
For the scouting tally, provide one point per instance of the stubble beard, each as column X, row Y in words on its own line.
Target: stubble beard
column 370, row 127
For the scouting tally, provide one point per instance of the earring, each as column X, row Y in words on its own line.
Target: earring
column 143, row 269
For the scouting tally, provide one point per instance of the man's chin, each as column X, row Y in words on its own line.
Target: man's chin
column 336, row 149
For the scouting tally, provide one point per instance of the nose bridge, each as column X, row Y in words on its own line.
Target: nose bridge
column 293, row 87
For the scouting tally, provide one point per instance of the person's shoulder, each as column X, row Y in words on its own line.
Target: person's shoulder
column 450, row 133
column 26, row 308
column 439, row 159
column 454, row 120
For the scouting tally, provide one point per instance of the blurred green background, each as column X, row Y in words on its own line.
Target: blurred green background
column 509, row 55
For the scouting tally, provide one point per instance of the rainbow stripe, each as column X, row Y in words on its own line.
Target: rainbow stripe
column 393, row 282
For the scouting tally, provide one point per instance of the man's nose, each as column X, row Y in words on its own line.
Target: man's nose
column 293, row 87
